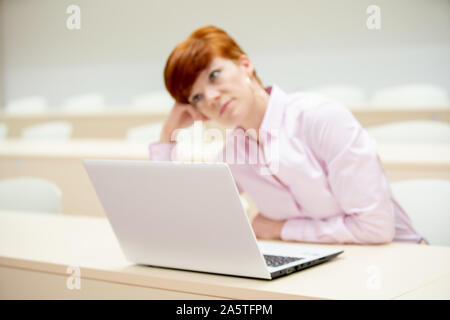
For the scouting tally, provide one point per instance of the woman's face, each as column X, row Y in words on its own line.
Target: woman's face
column 222, row 92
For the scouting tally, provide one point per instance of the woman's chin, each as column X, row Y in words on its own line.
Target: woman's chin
column 233, row 124
column 228, row 120
column 226, row 123
column 237, row 118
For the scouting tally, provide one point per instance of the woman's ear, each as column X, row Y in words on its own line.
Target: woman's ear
column 247, row 64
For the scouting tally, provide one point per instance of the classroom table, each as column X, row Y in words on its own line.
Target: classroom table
column 61, row 162
column 415, row 161
column 373, row 116
column 110, row 124
column 44, row 256
column 114, row 122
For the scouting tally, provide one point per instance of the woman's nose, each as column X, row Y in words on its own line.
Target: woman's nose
column 212, row 95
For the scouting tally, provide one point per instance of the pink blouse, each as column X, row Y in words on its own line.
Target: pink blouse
column 317, row 169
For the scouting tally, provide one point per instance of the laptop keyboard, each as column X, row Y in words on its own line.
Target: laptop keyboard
column 276, row 261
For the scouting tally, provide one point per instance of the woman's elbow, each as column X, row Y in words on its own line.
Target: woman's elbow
column 384, row 236
column 378, row 229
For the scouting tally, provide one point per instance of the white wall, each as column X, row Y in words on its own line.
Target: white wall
column 122, row 46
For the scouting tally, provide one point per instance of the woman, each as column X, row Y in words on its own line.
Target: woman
column 328, row 184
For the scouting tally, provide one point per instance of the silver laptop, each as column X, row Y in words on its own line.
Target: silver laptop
column 189, row 216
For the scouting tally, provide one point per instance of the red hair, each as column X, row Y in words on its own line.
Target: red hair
column 193, row 55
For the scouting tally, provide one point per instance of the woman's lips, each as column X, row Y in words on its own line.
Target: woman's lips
column 224, row 107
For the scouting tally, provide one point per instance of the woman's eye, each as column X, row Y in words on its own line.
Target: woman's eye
column 196, row 98
column 213, row 74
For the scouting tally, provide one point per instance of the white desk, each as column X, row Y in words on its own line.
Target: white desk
column 37, row 249
column 110, row 124
column 402, row 161
column 370, row 116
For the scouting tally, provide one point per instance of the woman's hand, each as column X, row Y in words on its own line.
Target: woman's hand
column 181, row 116
column 266, row 228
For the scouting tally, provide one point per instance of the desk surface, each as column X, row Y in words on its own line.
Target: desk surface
column 48, row 244
column 75, row 149
column 112, row 123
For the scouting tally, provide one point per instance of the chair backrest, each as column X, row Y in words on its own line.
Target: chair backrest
column 350, row 96
column 55, row 130
column 148, row 133
column 427, row 202
column 410, row 132
column 3, row 131
column 157, row 101
column 90, row 102
column 30, row 194
column 411, row 96
column 32, row 104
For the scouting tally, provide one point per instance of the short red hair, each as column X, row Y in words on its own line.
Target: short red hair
column 193, row 55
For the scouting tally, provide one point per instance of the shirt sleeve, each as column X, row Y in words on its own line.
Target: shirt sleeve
column 356, row 179
column 238, row 186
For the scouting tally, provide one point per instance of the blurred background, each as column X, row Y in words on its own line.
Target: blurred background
column 121, row 47
column 97, row 91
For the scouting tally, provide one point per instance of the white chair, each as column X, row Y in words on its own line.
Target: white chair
column 350, row 96
column 54, row 131
column 427, row 202
column 157, row 101
column 148, row 133
column 27, row 105
column 30, row 194
column 3, row 131
column 411, row 96
column 90, row 102
column 411, row 132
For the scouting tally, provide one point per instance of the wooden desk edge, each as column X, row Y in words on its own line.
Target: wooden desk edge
column 153, row 282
